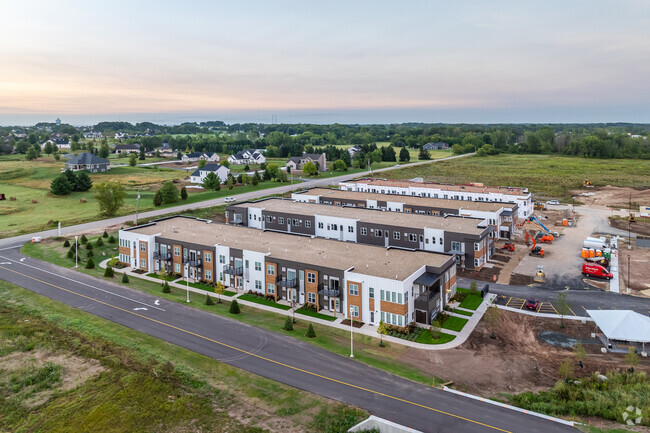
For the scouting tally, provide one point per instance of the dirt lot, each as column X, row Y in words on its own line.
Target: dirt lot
column 639, row 270
column 613, row 197
column 516, row 360
column 640, row 228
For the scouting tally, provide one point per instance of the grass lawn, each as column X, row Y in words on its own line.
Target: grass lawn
column 454, row 323
column 426, row 338
column 167, row 277
column 463, row 312
column 335, row 340
column 263, row 301
column 209, row 288
column 312, row 313
column 547, row 175
column 471, row 302
column 142, row 383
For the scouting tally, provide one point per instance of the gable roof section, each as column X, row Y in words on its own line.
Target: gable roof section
column 207, row 167
column 87, row 158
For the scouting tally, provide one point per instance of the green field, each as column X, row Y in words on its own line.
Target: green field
column 65, row 370
column 546, row 175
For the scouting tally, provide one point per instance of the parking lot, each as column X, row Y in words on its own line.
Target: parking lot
column 544, row 307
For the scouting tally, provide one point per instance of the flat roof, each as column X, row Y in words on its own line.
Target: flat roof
column 447, row 187
column 366, row 259
column 410, row 199
column 450, row 223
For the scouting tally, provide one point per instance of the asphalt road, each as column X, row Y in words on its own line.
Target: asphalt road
column 79, row 228
column 268, row 354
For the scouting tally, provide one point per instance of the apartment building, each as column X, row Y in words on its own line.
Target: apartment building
column 467, row 238
column 369, row 282
column 502, row 217
column 470, row 192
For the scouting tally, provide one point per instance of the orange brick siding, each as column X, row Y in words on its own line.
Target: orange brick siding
column 208, row 266
column 271, row 279
column 354, row 300
column 311, row 287
column 177, row 259
column 390, row 307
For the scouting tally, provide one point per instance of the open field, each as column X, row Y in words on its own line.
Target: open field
column 548, row 176
column 64, row 370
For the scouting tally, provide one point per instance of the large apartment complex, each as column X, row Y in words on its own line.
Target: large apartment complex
column 373, row 283
column 502, row 217
column 471, row 192
column 466, row 238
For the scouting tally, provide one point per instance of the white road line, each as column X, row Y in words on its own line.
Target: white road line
column 11, row 248
column 85, row 284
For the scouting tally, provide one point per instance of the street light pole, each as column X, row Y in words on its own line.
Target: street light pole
column 137, row 206
column 629, row 283
column 76, row 252
column 351, row 335
column 187, row 278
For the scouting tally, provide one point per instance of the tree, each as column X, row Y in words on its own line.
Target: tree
column 105, row 234
column 83, row 182
column 288, row 324
column 234, row 307
column 339, row 165
column 157, row 198
column 230, row 183
column 211, row 182
column 424, row 154
column 108, row 272
column 142, row 155
column 202, row 163
column 473, row 286
column 256, row 179
column 436, row 325
column 562, row 307
column 84, row 239
column 381, row 330
column 100, row 242
column 565, row 370
column 60, row 185
column 404, row 155
column 91, row 253
column 208, row 300
column 125, row 278
column 89, row 246
column 111, row 239
column 273, row 170
column 492, row 319
column 49, row 148
column 110, row 196
column 632, row 358
column 31, row 154
column 183, row 193
column 580, row 353
column 309, row 168
column 166, row 288
column 133, row 159
column 104, row 150
column 169, row 192
column 310, row 332
column 66, row 243
column 219, row 289
column 388, row 153
column 90, row 264
column 71, row 253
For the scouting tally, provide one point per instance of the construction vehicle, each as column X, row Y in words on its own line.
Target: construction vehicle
column 544, row 238
column 631, row 218
column 539, row 206
column 539, row 275
column 587, row 183
column 536, row 249
column 532, row 218
column 509, row 246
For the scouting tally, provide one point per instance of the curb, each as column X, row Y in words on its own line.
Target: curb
column 551, row 316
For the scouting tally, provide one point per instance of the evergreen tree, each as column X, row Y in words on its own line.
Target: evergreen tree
column 234, row 307
column 111, row 239
column 60, row 185
column 133, row 159
column 230, row 183
column 90, row 264
column 105, row 235
column 404, row 155
column 89, row 246
column 288, row 324
column 157, row 198
column 91, row 253
column 208, row 300
column 71, row 253
column 84, row 239
column 166, row 288
column 169, row 192
column 424, row 154
column 125, row 278
column 108, row 272
column 310, row 332
column 256, row 179
column 100, row 242
column 83, row 182
column 183, row 193
column 66, row 243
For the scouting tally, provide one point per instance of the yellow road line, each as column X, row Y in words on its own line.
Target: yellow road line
column 571, row 310
column 553, row 308
column 583, row 307
column 259, row 356
column 508, row 301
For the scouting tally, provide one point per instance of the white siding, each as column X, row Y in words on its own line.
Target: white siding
column 221, row 250
column 436, row 246
column 255, row 217
column 250, row 274
column 378, row 284
column 305, row 198
column 329, row 233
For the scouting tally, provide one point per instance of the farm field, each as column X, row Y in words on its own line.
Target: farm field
column 546, row 175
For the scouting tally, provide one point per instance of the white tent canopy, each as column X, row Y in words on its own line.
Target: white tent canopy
column 623, row 325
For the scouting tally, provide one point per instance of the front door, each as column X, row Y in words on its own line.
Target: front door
column 372, row 317
column 333, row 304
column 301, row 283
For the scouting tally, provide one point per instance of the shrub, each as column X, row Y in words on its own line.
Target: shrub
column 108, row 272
column 166, row 288
column 125, row 278
column 91, row 253
column 99, row 243
column 288, row 324
column 66, row 243
column 208, row 300
column 183, row 193
column 89, row 246
column 84, row 239
column 234, row 307
column 310, row 332
column 71, row 253
column 90, row 264
column 105, row 235
column 111, row 239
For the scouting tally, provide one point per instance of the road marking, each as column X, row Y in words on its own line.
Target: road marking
column 311, row 373
column 508, row 301
column 156, row 302
column 140, row 308
column 569, row 307
column 88, row 285
column 23, row 259
column 553, row 308
column 583, row 307
column 5, row 263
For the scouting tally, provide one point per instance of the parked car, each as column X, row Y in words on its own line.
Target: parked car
column 552, row 202
column 509, row 246
column 594, row 270
column 531, row 304
column 230, row 199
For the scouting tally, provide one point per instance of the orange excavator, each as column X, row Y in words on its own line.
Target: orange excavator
column 536, row 250
column 545, row 238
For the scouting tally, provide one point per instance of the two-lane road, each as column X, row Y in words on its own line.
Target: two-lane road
column 268, row 354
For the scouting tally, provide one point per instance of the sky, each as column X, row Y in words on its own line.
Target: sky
column 323, row 62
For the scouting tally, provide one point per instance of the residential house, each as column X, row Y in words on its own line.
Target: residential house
column 297, row 162
column 60, row 143
column 221, row 171
column 436, row 146
column 354, row 151
column 370, row 283
column 249, row 156
column 89, row 162
column 93, row 134
column 197, row 156
column 126, row 148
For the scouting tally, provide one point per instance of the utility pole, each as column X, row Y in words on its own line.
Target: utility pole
column 137, row 205
column 629, row 218
column 629, row 284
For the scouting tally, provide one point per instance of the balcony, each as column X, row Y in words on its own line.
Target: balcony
column 283, row 282
column 328, row 291
column 232, row 270
column 427, row 301
column 160, row 256
column 192, row 263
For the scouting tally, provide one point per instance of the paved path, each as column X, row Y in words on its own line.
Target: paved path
column 19, row 240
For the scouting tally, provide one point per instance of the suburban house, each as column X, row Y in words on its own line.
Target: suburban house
column 221, row 171
column 93, row 134
column 370, row 283
column 197, row 156
column 436, row 146
column 60, row 143
column 469, row 192
column 89, row 162
column 502, row 217
column 126, row 148
column 466, row 238
column 354, row 151
column 249, row 156
column 297, row 162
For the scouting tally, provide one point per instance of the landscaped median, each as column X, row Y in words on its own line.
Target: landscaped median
column 263, row 300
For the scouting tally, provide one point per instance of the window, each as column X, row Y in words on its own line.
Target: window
column 311, row 298
column 455, row 246
column 399, row 298
column 355, row 310
column 350, row 229
column 308, row 224
column 396, row 236
column 354, row 290
column 378, row 233
column 268, row 218
column 320, row 225
column 222, row 259
column 433, row 240
column 393, row 296
column 258, row 266
column 295, row 222
column 208, row 257
column 477, row 262
column 270, row 289
column 477, row 246
column 258, row 285
column 311, row 277
column 227, row 214
column 413, row 237
column 177, row 251
column 208, row 275
column 406, row 297
column 399, row 320
column 280, row 220
column 371, row 293
column 143, row 263
column 246, row 264
column 364, row 231
column 270, row 269
column 185, row 252
column 143, row 246
column 335, row 227
column 381, row 295
column 177, row 268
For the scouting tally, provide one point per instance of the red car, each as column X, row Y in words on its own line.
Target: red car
column 509, row 246
column 531, row 304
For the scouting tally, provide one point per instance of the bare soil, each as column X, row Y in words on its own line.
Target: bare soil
column 640, row 228
column 639, row 270
column 516, row 360
column 615, row 197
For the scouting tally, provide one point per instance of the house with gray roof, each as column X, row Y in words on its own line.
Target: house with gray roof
column 297, row 162
column 88, row 161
